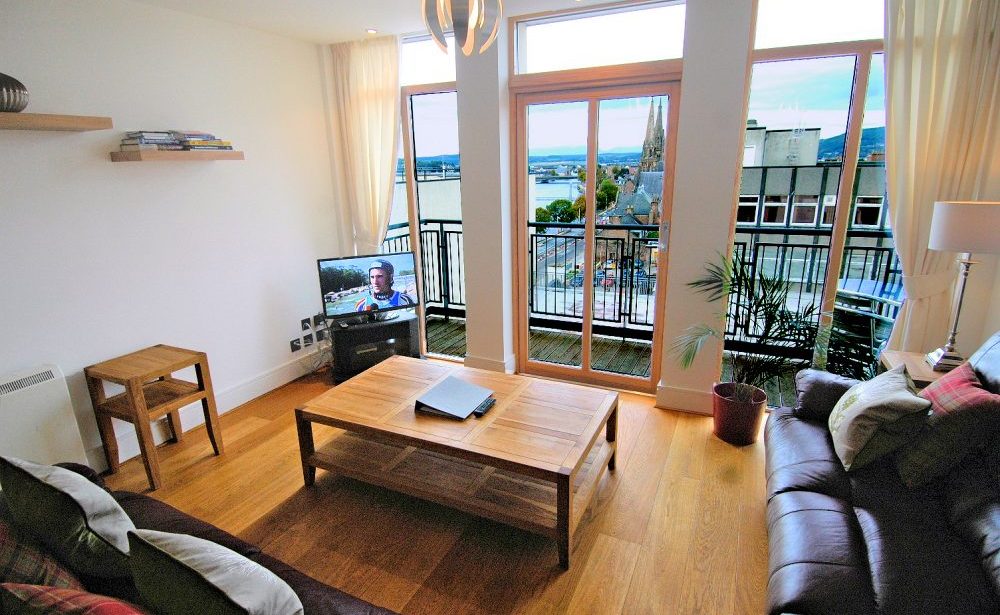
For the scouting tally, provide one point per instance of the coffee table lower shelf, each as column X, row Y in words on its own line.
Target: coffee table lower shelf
column 522, row 501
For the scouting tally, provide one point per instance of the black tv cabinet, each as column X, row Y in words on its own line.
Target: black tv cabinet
column 358, row 346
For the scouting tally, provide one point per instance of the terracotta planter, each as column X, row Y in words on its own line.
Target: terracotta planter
column 737, row 422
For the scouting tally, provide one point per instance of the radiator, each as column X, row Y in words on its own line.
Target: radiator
column 36, row 417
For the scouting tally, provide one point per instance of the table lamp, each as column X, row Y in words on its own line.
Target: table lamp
column 964, row 227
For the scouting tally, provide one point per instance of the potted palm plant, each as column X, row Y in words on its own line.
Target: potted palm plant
column 761, row 305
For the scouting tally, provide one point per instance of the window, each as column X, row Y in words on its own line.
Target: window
column 422, row 61
column 746, row 212
column 867, row 211
column 784, row 23
column 829, row 209
column 601, row 38
column 774, row 209
column 804, row 209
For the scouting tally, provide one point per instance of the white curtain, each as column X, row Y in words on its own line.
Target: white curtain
column 364, row 100
column 942, row 142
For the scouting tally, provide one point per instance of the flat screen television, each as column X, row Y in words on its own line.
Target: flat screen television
column 368, row 285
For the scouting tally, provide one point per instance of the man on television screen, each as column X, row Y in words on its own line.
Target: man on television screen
column 380, row 293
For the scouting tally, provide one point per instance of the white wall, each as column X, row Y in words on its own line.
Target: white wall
column 98, row 259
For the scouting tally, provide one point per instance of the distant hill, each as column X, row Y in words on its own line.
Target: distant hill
column 872, row 140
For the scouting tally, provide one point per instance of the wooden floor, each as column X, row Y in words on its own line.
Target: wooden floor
column 678, row 528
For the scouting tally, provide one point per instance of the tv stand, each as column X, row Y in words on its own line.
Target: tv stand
column 360, row 345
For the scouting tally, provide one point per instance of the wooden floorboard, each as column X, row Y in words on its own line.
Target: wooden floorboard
column 677, row 528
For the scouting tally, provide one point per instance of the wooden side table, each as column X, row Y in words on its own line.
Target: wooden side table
column 916, row 366
column 150, row 393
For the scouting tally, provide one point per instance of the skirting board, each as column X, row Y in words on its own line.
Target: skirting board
column 192, row 416
column 694, row 401
column 506, row 366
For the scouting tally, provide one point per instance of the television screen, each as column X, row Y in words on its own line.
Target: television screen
column 365, row 284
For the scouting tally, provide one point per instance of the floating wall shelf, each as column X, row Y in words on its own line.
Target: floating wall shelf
column 150, row 155
column 48, row 121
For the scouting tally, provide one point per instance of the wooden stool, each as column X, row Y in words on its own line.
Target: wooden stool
column 151, row 392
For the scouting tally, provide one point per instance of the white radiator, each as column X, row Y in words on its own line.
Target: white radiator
column 36, row 417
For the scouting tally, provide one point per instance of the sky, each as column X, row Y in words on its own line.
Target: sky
column 790, row 94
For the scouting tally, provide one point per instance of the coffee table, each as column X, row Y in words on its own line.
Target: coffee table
column 534, row 461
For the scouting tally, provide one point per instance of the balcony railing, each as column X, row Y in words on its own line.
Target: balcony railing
column 870, row 281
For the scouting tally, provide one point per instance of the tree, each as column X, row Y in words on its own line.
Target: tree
column 607, row 193
column 561, row 210
column 542, row 215
column 580, row 206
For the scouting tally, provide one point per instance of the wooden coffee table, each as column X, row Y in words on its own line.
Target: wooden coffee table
column 534, row 461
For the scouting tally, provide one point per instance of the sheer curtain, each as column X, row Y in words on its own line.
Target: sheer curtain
column 364, row 101
column 942, row 141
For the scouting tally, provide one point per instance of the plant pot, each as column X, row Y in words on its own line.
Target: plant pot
column 737, row 422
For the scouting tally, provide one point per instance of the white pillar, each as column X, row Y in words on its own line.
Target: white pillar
column 718, row 41
column 484, row 147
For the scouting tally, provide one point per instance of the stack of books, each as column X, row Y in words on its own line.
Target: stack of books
column 193, row 139
column 172, row 140
column 150, row 139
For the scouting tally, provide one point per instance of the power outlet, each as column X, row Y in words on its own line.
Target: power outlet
column 295, row 345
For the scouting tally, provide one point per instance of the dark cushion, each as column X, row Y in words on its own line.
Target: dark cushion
column 964, row 417
column 77, row 520
column 316, row 597
column 21, row 599
column 816, row 558
column 177, row 574
column 986, row 363
column 151, row 514
column 799, row 457
column 817, row 392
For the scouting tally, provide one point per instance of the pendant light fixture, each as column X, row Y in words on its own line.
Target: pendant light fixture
column 474, row 22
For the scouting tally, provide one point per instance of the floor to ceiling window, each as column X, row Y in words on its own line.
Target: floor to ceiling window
column 811, row 209
column 593, row 181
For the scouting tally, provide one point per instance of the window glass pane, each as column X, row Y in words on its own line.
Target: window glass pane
column 620, row 36
column 784, row 23
column 422, row 61
column 439, row 203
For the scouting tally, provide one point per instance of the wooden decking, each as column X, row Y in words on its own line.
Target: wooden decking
column 629, row 357
column 615, row 355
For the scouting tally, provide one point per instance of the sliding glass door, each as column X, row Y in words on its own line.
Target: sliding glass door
column 594, row 180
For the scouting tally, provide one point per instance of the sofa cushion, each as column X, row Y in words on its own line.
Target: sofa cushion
column 964, row 417
column 178, row 574
column 816, row 558
column 21, row 599
column 875, row 417
column 973, row 502
column 986, row 363
column 77, row 520
column 817, row 392
column 23, row 560
column 800, row 457
column 151, row 514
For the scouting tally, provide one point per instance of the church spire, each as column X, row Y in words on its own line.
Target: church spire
column 649, row 127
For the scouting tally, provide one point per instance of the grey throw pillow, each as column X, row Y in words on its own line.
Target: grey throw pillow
column 817, row 392
column 876, row 417
column 178, row 574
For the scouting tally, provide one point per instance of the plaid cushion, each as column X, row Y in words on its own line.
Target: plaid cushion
column 22, row 560
column 964, row 417
column 31, row 599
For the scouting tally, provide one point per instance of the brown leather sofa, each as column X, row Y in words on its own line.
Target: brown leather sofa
column 862, row 542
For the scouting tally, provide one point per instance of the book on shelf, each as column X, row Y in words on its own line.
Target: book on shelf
column 144, row 141
column 455, row 399
column 208, row 147
column 135, row 147
column 205, row 142
column 160, row 135
column 192, row 134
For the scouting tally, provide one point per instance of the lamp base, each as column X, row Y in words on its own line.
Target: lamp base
column 943, row 361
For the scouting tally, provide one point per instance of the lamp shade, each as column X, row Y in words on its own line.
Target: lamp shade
column 966, row 226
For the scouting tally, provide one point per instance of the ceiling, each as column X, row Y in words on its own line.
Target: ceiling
column 330, row 21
